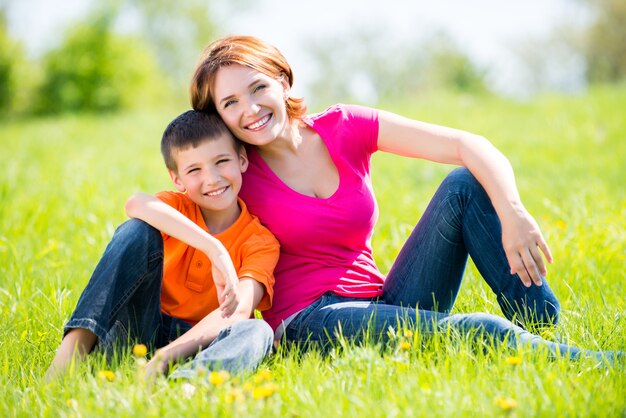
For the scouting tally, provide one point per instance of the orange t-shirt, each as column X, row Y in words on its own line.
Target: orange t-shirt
column 188, row 291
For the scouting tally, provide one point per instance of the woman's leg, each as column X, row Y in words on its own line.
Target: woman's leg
column 122, row 299
column 332, row 316
column 461, row 220
column 502, row 331
column 238, row 348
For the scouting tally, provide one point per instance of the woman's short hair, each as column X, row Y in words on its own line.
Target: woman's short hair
column 248, row 51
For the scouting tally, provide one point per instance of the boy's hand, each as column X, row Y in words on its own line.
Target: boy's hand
column 155, row 367
column 226, row 280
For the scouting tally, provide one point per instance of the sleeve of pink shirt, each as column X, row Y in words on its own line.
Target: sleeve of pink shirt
column 364, row 123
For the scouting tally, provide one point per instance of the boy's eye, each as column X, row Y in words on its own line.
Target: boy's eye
column 192, row 170
column 223, row 160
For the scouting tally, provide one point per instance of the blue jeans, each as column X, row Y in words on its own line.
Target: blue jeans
column 121, row 304
column 424, row 281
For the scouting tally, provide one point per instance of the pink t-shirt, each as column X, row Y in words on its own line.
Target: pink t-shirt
column 325, row 244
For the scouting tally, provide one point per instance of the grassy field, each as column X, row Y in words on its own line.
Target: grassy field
column 63, row 183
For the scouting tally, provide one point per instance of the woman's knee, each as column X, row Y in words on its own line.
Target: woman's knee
column 461, row 179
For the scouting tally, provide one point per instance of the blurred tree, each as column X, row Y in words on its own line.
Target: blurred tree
column 367, row 67
column 177, row 33
column 95, row 69
column 448, row 66
column 10, row 53
column 604, row 42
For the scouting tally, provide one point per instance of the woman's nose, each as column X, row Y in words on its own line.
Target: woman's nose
column 253, row 108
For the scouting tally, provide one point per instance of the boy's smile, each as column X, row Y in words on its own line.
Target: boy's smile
column 211, row 175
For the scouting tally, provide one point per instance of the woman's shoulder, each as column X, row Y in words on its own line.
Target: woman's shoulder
column 342, row 112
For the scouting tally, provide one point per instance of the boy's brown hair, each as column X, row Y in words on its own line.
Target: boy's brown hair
column 190, row 129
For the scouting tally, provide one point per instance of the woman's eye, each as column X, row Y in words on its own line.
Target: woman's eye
column 229, row 102
column 259, row 87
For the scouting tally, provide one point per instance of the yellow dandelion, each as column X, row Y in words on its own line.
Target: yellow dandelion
column 405, row 345
column 106, row 375
column 514, row 360
column 561, row 224
column 264, row 391
column 248, row 387
column 425, row 388
column 408, row 333
column 140, row 350
column 72, row 403
column 234, row 395
column 262, row 376
column 218, row 378
column 504, row 403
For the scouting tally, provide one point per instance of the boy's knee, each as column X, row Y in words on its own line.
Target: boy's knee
column 137, row 228
column 257, row 330
column 136, row 231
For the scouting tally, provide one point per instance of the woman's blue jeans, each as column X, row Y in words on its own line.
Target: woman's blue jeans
column 424, row 281
column 121, row 305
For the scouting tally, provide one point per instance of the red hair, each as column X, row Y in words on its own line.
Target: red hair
column 248, row 51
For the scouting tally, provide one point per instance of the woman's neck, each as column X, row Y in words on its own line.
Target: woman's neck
column 289, row 142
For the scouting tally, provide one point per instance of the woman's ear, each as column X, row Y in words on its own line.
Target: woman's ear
column 177, row 182
column 284, row 81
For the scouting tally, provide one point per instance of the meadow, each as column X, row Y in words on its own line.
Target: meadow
column 63, row 183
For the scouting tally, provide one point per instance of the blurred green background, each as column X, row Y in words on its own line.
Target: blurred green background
column 127, row 54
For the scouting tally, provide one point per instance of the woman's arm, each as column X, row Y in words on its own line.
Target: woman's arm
column 521, row 236
column 173, row 223
column 204, row 332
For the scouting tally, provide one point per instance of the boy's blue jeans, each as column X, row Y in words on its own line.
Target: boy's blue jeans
column 122, row 304
column 424, row 281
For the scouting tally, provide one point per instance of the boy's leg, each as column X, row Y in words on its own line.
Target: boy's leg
column 75, row 345
column 238, row 348
column 122, row 298
column 459, row 220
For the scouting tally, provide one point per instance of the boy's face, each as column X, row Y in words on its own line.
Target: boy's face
column 210, row 173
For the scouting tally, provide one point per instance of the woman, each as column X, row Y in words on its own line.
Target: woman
column 309, row 183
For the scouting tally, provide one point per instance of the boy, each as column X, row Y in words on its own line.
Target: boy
column 195, row 284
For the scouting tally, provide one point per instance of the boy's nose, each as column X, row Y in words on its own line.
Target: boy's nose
column 212, row 177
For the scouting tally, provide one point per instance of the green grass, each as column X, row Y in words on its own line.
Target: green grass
column 63, row 183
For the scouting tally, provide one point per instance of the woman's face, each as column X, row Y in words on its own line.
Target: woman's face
column 251, row 103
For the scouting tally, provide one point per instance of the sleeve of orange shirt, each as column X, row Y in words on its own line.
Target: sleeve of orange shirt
column 179, row 202
column 260, row 255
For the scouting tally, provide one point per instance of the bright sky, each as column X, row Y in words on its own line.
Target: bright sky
column 486, row 29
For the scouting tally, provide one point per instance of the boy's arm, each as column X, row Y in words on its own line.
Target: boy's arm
column 165, row 218
column 204, row 332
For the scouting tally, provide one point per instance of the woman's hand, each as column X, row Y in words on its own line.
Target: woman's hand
column 522, row 241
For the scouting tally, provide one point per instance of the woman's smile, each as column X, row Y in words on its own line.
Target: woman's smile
column 259, row 124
